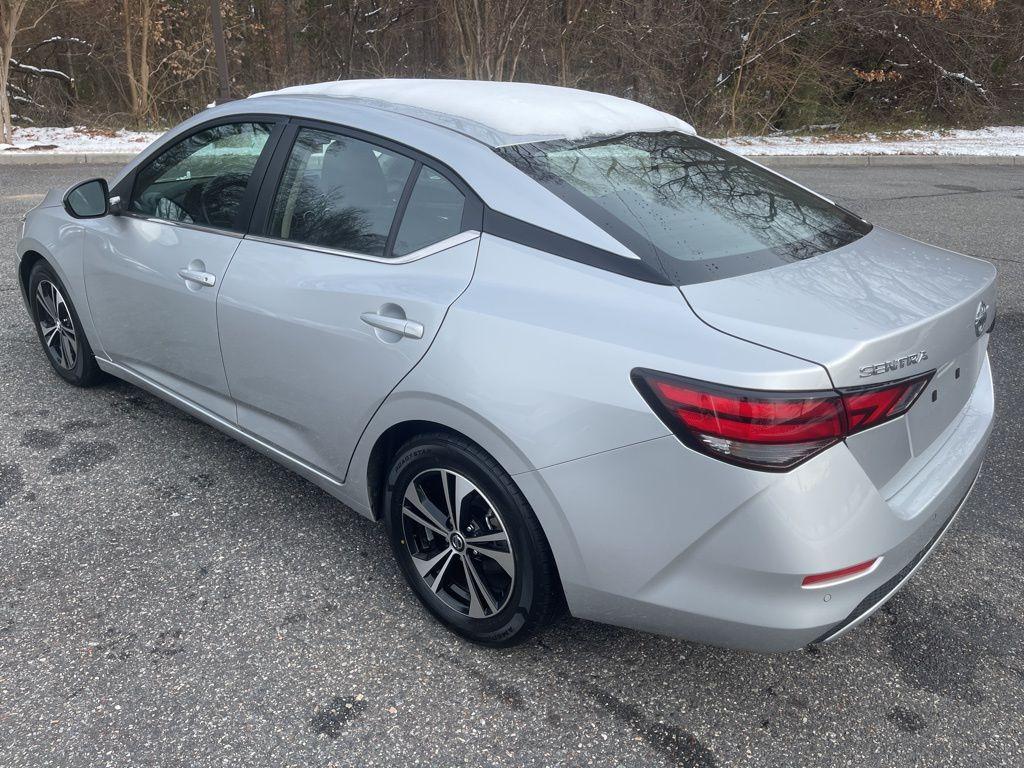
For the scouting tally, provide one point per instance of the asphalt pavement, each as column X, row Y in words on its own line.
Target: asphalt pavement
column 168, row 597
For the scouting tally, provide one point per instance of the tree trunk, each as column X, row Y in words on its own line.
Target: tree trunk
column 563, row 45
column 289, row 50
column 10, row 17
column 6, row 123
column 351, row 39
column 144, row 105
column 138, row 67
column 129, row 60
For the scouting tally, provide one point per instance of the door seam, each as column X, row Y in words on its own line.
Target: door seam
column 437, row 333
column 216, row 319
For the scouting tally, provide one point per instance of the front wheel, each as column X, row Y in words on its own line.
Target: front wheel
column 59, row 328
column 467, row 541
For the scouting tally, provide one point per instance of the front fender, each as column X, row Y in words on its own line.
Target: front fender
column 59, row 239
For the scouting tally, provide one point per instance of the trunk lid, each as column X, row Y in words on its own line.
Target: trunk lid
column 882, row 308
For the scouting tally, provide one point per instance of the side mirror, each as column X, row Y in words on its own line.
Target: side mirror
column 88, row 199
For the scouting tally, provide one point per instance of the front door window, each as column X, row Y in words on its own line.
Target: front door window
column 203, row 178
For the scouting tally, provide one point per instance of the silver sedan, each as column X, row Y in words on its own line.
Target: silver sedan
column 571, row 354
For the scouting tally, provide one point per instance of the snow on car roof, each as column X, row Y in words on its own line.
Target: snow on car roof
column 500, row 113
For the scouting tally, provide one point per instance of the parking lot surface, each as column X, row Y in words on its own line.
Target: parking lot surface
column 168, row 597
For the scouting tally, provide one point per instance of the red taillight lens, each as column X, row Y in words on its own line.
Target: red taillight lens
column 869, row 406
column 764, row 430
column 769, row 430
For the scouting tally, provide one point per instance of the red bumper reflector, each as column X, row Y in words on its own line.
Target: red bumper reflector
column 843, row 574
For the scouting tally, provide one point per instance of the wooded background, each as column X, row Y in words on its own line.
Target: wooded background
column 727, row 66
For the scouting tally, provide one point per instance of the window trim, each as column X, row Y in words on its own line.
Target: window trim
column 530, row 235
column 403, row 203
column 126, row 187
column 259, row 223
column 465, row 236
column 185, row 225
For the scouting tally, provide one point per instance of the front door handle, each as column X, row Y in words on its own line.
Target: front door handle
column 400, row 325
column 197, row 276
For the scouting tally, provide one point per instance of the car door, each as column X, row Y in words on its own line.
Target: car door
column 152, row 273
column 362, row 249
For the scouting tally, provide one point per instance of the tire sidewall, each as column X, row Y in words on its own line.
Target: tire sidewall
column 435, row 453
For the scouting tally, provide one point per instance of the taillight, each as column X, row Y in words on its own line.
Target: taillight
column 769, row 430
column 869, row 406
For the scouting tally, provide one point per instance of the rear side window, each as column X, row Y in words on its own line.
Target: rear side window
column 203, row 178
column 692, row 210
column 339, row 192
column 433, row 213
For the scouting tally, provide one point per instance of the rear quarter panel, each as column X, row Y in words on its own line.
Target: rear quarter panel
column 533, row 361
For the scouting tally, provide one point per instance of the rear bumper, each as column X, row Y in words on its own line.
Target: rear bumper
column 657, row 537
column 877, row 598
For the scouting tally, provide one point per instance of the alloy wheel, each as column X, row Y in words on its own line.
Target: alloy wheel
column 56, row 325
column 458, row 542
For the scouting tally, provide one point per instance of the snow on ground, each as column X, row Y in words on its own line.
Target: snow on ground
column 1005, row 140
column 1000, row 140
column 76, row 140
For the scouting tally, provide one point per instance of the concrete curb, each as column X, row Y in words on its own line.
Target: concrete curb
column 55, row 158
column 791, row 161
column 787, row 161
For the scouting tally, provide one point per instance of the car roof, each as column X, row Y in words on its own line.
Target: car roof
column 497, row 113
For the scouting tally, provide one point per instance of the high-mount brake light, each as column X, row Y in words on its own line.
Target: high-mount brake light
column 770, row 430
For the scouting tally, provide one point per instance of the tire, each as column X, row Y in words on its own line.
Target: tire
column 470, row 589
column 64, row 343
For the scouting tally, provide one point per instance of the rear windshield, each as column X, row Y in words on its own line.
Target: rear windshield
column 694, row 211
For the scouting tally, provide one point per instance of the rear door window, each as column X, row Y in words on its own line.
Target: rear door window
column 433, row 213
column 339, row 192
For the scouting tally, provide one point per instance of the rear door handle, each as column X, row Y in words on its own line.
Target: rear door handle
column 403, row 327
column 197, row 276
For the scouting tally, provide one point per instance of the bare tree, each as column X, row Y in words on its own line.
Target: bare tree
column 164, row 48
column 139, row 22
column 724, row 65
column 14, row 18
column 490, row 36
column 570, row 13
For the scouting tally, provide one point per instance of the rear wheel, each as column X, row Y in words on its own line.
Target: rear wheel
column 467, row 541
column 59, row 329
